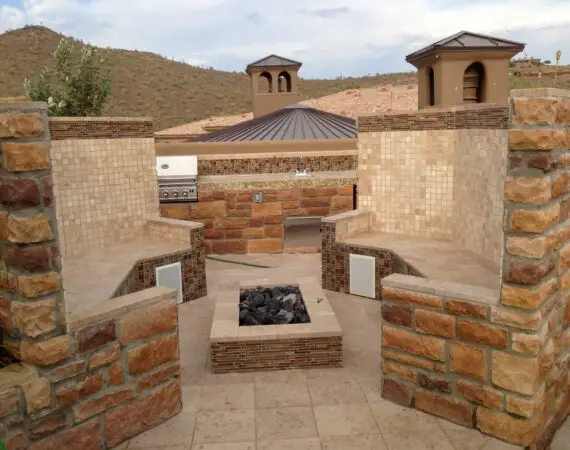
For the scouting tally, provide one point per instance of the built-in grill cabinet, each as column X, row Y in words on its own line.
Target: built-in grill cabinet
column 177, row 178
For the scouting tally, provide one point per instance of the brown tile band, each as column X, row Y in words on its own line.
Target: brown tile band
column 99, row 129
column 281, row 354
column 496, row 117
column 277, row 165
column 193, row 271
column 336, row 262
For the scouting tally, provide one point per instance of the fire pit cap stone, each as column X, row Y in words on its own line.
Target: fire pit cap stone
column 225, row 326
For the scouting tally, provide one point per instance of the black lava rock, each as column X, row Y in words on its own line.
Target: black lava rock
column 277, row 305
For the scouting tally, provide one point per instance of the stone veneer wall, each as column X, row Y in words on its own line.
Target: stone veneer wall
column 100, row 385
column 234, row 224
column 234, row 164
column 436, row 173
column 108, row 379
column 104, row 174
column 32, row 309
column 502, row 368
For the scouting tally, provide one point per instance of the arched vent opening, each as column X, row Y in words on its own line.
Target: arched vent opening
column 473, row 83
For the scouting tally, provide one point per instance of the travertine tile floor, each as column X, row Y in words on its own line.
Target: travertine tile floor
column 322, row 409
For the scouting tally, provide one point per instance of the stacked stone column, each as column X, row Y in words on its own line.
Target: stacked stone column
column 32, row 311
column 92, row 383
column 535, row 300
column 498, row 363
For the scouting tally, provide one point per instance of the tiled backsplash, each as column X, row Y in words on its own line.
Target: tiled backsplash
column 321, row 163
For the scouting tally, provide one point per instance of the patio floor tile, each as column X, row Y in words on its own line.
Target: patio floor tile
column 225, row 426
column 346, row 419
column 285, row 423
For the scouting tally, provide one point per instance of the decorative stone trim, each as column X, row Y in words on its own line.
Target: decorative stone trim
column 276, row 165
column 62, row 128
column 453, row 118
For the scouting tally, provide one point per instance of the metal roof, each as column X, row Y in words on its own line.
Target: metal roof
column 466, row 40
column 274, row 61
column 294, row 122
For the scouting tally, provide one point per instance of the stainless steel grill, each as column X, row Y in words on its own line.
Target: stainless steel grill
column 177, row 178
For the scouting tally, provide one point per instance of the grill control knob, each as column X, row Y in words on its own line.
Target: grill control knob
column 175, row 194
column 185, row 194
column 165, row 194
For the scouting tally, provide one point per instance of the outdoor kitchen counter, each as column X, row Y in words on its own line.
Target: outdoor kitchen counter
column 276, row 180
column 90, row 280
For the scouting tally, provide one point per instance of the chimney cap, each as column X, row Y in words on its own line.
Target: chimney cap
column 467, row 41
column 273, row 61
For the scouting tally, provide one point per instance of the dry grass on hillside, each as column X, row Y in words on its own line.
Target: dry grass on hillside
column 174, row 93
column 146, row 84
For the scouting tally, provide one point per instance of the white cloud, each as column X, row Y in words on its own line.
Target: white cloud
column 329, row 36
column 11, row 17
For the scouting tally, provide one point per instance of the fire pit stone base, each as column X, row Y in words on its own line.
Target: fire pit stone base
column 236, row 348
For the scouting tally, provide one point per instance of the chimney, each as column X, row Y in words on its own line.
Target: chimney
column 274, row 83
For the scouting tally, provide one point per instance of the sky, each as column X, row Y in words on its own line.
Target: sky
column 331, row 37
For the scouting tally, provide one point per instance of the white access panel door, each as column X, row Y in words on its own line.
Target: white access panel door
column 170, row 276
column 362, row 275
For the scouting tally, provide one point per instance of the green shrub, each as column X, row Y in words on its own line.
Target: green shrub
column 79, row 88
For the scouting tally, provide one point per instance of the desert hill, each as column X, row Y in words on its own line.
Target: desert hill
column 147, row 84
column 175, row 93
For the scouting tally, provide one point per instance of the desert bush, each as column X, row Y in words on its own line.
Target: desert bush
column 79, row 87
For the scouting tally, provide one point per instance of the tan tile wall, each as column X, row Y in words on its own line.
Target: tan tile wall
column 479, row 176
column 105, row 188
column 406, row 179
column 445, row 184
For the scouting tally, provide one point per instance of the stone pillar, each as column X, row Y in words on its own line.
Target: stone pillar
column 535, row 296
column 32, row 310
column 495, row 361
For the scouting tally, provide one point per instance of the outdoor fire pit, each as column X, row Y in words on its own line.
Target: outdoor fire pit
column 282, row 321
column 276, row 305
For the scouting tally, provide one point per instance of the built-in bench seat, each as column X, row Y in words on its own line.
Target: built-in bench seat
column 435, row 259
column 103, row 275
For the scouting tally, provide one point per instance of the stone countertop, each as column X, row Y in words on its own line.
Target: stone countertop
column 277, row 180
column 92, row 278
column 439, row 261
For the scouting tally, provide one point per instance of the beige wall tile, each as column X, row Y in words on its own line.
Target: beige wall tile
column 406, row 178
column 479, row 171
column 105, row 189
column 445, row 184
